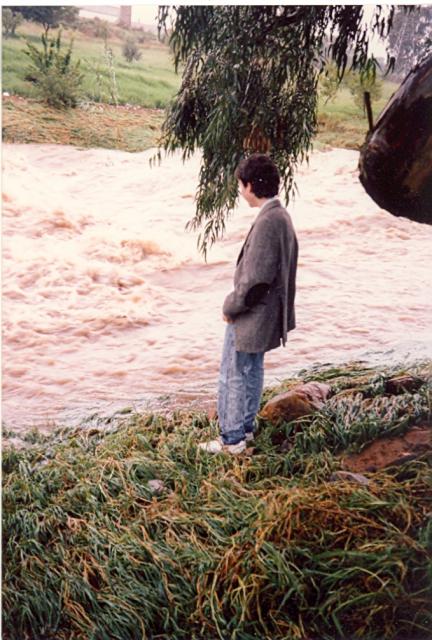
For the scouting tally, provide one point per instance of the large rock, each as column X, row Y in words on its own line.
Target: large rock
column 296, row 403
column 396, row 160
column 391, row 451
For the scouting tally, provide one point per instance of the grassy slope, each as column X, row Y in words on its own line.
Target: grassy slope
column 342, row 123
column 149, row 83
column 265, row 546
column 96, row 126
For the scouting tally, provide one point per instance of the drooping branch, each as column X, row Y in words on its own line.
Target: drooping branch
column 250, row 84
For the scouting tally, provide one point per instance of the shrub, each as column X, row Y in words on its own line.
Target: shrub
column 358, row 84
column 101, row 29
column 56, row 78
column 131, row 50
column 329, row 83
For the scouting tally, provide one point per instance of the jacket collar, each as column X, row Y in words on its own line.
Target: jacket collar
column 270, row 204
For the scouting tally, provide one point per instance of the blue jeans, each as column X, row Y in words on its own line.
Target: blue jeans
column 240, row 387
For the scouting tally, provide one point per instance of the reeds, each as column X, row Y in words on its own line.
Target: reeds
column 263, row 546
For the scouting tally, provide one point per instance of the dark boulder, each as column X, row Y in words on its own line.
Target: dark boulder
column 396, row 160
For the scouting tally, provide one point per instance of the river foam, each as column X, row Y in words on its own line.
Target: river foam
column 107, row 302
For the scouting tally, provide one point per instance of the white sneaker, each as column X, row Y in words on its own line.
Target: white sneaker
column 217, row 446
column 250, row 437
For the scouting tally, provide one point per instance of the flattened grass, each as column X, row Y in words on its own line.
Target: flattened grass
column 261, row 546
column 98, row 126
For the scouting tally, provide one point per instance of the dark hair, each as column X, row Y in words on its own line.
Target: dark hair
column 261, row 172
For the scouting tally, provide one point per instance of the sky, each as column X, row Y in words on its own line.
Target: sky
column 146, row 12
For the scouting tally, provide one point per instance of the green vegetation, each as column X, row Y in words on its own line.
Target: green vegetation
column 342, row 122
column 150, row 82
column 250, row 548
column 55, row 76
column 131, row 50
column 250, row 84
column 10, row 22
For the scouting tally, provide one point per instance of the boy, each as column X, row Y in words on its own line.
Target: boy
column 260, row 311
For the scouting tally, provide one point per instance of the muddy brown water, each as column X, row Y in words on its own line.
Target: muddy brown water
column 107, row 302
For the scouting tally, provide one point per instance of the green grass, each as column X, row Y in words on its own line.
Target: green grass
column 150, row 82
column 250, row 548
column 342, row 123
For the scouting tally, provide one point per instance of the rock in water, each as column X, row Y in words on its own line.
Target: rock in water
column 300, row 401
column 396, row 160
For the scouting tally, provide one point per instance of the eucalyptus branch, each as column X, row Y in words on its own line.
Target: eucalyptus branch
column 250, row 84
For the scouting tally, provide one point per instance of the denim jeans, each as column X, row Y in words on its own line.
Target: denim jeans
column 240, row 387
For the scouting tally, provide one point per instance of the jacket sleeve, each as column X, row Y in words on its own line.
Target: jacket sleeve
column 259, row 266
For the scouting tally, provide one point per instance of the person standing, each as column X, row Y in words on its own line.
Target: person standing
column 259, row 312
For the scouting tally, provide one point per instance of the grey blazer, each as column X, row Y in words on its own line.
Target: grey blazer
column 262, row 303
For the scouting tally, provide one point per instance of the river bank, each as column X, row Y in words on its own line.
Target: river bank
column 135, row 128
column 129, row 531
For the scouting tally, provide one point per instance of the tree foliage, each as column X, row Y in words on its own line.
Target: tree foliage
column 358, row 84
column 49, row 17
column 250, row 84
column 10, row 21
column 329, row 83
column 410, row 39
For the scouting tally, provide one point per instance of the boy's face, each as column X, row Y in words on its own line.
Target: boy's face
column 247, row 193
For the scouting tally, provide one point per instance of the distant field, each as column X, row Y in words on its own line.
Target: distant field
column 150, row 82
column 342, row 123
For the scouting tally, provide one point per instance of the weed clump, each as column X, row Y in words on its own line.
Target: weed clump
column 56, row 78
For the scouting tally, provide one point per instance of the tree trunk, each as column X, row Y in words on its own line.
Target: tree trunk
column 396, row 159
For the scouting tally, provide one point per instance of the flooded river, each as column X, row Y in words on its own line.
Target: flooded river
column 107, row 302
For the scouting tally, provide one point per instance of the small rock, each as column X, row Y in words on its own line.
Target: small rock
column 296, row 403
column 6, row 94
column 156, row 486
column 402, row 384
column 347, row 475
